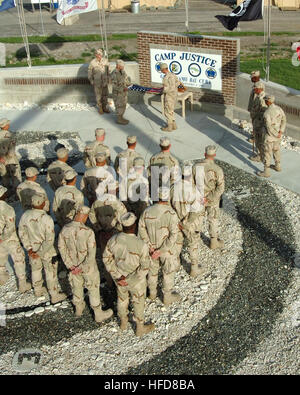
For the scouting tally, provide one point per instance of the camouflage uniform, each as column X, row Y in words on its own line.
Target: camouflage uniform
column 119, row 80
column 67, row 200
column 56, row 174
column 91, row 179
column 11, row 176
column 137, row 191
column 127, row 157
column 257, row 111
column 158, row 227
column 10, row 245
column 98, row 75
column 36, row 231
column 26, row 190
column 170, row 92
column 91, row 150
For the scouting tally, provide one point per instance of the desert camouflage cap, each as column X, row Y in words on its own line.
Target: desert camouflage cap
column 37, row 200
column 259, row 85
column 99, row 52
column 31, row 171
column 100, row 157
column 270, row 98
column 164, row 193
column 187, row 169
column 99, row 132
column 210, row 150
column 128, row 219
column 255, row 73
column 2, row 190
column 84, row 210
column 163, row 66
column 131, row 139
column 164, row 142
column 4, row 122
column 113, row 185
column 70, row 174
column 138, row 162
column 62, row 152
column 120, row 62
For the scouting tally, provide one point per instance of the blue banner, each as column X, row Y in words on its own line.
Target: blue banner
column 6, row 4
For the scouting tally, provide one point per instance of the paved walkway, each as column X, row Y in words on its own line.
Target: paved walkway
column 188, row 142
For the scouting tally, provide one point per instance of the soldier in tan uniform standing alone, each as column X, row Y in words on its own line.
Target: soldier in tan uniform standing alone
column 10, row 244
column 36, row 231
column 127, row 259
column 214, row 186
column 57, row 169
column 170, row 92
column 98, row 75
column 77, row 247
column 255, row 77
column 120, row 82
column 274, row 126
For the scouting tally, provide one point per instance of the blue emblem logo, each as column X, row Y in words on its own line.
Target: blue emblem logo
column 175, row 67
column 194, row 70
column 157, row 67
column 72, row 2
column 211, row 73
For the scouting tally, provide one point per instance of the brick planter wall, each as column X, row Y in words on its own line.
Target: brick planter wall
column 228, row 48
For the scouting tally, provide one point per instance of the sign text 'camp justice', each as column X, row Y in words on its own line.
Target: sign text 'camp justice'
column 195, row 70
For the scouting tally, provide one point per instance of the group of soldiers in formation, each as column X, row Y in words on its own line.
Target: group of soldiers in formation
column 269, row 124
column 136, row 234
column 99, row 76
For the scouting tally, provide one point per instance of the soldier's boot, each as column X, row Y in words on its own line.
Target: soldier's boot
column 105, row 109
column 168, row 128
column 216, row 243
column 152, row 295
column 79, row 309
column 101, row 315
column 276, row 167
column 121, row 120
column 266, row 173
column 4, row 278
column 174, row 125
column 24, row 286
column 41, row 291
column 142, row 329
column 251, row 139
column 195, row 270
column 171, row 297
column 124, row 323
column 255, row 158
column 100, row 109
column 58, row 297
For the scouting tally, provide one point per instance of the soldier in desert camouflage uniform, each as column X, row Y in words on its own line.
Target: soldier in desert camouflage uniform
column 98, row 75
column 127, row 260
column 36, row 231
column 95, row 175
column 120, row 82
column 10, row 244
column 209, row 173
column 11, row 175
column 158, row 227
column 30, row 187
column 274, row 126
column 94, row 148
column 57, row 169
column 67, row 199
column 77, row 247
column 255, row 77
column 187, row 201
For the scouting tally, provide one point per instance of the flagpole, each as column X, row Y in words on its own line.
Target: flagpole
column 42, row 22
column 20, row 9
column 187, row 15
column 269, row 40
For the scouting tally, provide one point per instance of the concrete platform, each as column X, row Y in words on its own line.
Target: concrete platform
column 188, row 142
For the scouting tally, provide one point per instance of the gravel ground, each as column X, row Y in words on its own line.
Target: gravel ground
column 240, row 318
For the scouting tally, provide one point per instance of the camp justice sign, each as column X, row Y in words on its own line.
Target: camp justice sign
column 195, row 70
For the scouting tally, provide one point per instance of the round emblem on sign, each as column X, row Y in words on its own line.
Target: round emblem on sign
column 175, row 67
column 157, row 67
column 211, row 73
column 194, row 69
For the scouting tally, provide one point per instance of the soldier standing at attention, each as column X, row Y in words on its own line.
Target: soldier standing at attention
column 10, row 244
column 257, row 112
column 95, row 175
column 170, row 92
column 77, row 247
column 120, row 82
column 36, row 231
column 90, row 151
column 67, row 199
column 255, row 77
column 98, row 75
column 11, row 175
column 158, row 227
column 127, row 259
column 30, row 187
column 57, row 169
column 214, row 186
column 274, row 126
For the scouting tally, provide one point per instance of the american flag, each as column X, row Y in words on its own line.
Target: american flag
column 144, row 89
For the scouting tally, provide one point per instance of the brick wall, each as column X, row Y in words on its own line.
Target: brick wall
column 229, row 49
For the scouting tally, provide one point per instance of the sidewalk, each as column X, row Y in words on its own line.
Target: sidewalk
column 188, row 142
